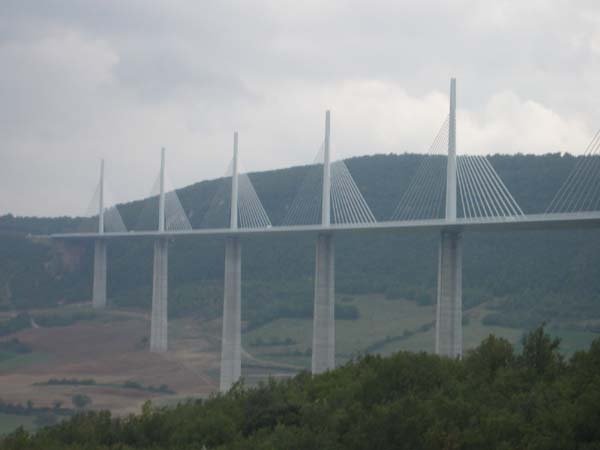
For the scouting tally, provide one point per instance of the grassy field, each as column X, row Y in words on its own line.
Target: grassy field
column 8, row 422
column 17, row 361
column 380, row 320
column 571, row 341
column 385, row 326
column 112, row 348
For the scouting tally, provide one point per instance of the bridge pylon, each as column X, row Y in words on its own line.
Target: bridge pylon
column 159, row 318
column 323, row 348
column 448, row 325
column 99, row 282
column 231, row 343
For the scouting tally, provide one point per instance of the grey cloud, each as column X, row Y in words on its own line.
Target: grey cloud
column 83, row 79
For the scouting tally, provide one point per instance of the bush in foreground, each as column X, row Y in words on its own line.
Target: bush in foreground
column 492, row 399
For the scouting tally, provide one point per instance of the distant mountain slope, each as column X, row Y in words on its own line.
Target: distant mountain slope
column 535, row 275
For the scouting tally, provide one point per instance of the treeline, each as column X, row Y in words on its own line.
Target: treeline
column 36, row 273
column 532, row 276
column 15, row 324
column 494, row 398
column 13, row 347
column 29, row 408
column 161, row 389
column 129, row 384
column 70, row 382
column 42, row 415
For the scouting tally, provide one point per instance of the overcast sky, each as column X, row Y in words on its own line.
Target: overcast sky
column 83, row 80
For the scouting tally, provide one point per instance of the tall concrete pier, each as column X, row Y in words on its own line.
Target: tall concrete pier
column 323, row 348
column 99, row 287
column 159, row 320
column 448, row 332
column 231, row 344
column 99, row 284
column 159, row 324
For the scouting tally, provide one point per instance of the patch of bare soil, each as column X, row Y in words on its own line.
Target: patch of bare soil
column 112, row 352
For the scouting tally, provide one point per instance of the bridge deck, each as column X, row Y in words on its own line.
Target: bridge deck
column 526, row 222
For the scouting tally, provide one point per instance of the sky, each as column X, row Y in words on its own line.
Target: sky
column 113, row 79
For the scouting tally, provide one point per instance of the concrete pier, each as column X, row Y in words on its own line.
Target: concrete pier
column 99, row 287
column 323, row 349
column 448, row 325
column 231, row 343
column 448, row 332
column 159, row 323
column 231, row 346
column 160, row 278
column 99, row 283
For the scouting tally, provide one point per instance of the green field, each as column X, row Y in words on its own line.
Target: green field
column 17, row 361
column 384, row 326
column 9, row 422
column 380, row 320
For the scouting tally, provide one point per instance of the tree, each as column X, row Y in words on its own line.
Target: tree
column 490, row 356
column 80, row 401
column 406, row 401
column 540, row 351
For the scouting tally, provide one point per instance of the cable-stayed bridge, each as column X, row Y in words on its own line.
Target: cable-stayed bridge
column 450, row 193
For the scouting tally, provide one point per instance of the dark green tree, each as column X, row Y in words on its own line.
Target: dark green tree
column 541, row 351
column 80, row 401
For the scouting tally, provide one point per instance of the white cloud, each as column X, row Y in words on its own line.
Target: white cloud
column 509, row 124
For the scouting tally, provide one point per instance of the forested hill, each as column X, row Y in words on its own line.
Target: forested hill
column 541, row 275
column 495, row 398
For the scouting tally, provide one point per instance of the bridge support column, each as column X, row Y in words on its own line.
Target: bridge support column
column 99, row 287
column 231, row 344
column 448, row 330
column 323, row 349
column 159, row 324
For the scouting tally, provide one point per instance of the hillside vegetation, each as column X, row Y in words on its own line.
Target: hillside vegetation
column 495, row 398
column 528, row 276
